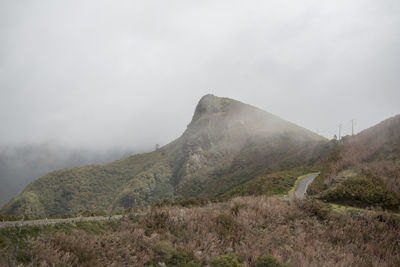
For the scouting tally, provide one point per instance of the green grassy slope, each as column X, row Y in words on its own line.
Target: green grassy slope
column 278, row 183
column 95, row 187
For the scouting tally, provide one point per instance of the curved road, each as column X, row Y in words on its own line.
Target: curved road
column 303, row 185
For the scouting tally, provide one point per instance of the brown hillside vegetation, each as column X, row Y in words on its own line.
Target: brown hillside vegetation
column 372, row 159
column 299, row 233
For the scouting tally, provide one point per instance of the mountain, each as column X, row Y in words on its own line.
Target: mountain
column 364, row 170
column 22, row 164
column 227, row 143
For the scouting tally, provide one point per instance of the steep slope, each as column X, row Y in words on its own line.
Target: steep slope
column 364, row 169
column 227, row 143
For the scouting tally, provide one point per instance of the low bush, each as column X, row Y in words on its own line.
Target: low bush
column 156, row 221
column 227, row 260
column 235, row 209
column 268, row 261
column 189, row 202
column 362, row 191
column 314, row 208
column 227, row 227
column 171, row 257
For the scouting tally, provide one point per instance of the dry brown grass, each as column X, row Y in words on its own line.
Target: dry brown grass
column 374, row 153
column 300, row 233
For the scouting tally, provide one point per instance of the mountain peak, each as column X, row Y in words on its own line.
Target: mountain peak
column 227, row 143
column 211, row 104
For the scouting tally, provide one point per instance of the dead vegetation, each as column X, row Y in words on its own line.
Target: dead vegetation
column 299, row 233
column 363, row 170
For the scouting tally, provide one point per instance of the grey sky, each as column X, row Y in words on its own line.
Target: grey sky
column 129, row 73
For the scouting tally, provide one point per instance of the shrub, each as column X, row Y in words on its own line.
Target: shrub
column 226, row 221
column 227, row 227
column 174, row 257
column 164, row 203
column 227, row 260
column 235, row 208
column 314, row 208
column 189, row 202
column 156, row 221
column 362, row 191
column 268, row 261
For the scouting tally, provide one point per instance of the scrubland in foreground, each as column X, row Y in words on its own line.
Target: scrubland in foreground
column 298, row 233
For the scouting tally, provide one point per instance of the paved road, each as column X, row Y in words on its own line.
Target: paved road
column 303, row 185
column 50, row 221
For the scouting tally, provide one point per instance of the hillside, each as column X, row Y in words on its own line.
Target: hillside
column 22, row 164
column 364, row 170
column 227, row 143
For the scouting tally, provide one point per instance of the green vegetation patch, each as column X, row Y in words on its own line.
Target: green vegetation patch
column 362, row 191
column 268, row 261
column 227, row 260
column 279, row 183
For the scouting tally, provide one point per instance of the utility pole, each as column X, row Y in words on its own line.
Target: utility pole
column 340, row 131
column 352, row 126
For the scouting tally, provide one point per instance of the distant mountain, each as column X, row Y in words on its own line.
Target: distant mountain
column 227, row 143
column 364, row 169
column 22, row 164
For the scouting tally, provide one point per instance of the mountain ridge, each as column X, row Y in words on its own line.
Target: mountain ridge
column 226, row 143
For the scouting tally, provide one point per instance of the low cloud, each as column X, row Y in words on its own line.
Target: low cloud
column 129, row 73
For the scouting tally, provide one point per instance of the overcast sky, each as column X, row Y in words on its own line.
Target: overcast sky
column 129, row 73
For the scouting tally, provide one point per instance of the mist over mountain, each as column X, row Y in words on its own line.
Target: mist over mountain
column 117, row 147
column 22, row 164
column 226, row 143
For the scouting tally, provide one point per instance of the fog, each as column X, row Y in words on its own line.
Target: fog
column 104, row 74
